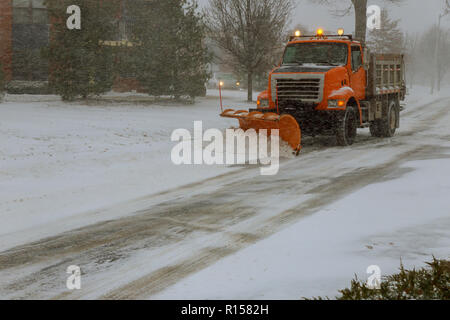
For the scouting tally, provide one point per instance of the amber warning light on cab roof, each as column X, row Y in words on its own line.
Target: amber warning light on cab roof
column 320, row 35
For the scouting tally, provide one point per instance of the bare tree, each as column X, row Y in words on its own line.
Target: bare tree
column 437, row 52
column 426, row 59
column 360, row 8
column 428, row 56
column 302, row 28
column 249, row 31
column 412, row 61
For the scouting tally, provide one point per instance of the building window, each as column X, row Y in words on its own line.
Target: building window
column 29, row 12
column 30, row 33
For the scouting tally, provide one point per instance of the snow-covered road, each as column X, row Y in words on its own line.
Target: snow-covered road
column 94, row 187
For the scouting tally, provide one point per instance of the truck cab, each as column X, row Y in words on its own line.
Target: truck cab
column 332, row 85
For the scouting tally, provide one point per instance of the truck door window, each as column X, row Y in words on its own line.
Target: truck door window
column 356, row 58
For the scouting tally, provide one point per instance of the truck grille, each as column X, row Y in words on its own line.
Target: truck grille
column 299, row 89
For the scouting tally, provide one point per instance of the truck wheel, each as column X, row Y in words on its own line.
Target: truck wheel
column 347, row 128
column 375, row 128
column 389, row 124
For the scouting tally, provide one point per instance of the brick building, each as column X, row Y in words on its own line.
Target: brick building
column 6, row 37
column 24, row 30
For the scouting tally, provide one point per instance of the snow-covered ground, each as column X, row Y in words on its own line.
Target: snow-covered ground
column 402, row 220
column 60, row 161
column 210, row 231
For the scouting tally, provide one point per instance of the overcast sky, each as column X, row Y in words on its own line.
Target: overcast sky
column 414, row 15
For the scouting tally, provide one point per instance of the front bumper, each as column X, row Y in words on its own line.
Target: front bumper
column 312, row 121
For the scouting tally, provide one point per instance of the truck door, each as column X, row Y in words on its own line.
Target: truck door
column 358, row 74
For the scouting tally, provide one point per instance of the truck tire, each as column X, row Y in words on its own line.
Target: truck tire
column 389, row 123
column 375, row 128
column 347, row 128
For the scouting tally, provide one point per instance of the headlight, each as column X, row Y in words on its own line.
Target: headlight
column 336, row 103
column 332, row 103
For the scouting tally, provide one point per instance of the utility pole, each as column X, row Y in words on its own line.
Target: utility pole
column 437, row 49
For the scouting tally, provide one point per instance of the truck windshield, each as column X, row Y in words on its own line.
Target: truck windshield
column 316, row 53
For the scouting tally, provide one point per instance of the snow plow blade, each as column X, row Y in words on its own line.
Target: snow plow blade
column 288, row 127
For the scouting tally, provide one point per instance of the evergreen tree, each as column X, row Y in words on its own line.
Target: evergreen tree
column 192, row 55
column 388, row 39
column 170, row 57
column 81, row 64
column 153, row 33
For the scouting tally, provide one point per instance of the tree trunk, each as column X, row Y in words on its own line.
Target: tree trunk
column 437, row 51
column 249, row 73
column 432, row 84
column 250, row 86
column 360, row 19
column 439, row 79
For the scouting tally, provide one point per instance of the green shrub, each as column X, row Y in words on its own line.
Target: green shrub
column 430, row 283
column 28, row 87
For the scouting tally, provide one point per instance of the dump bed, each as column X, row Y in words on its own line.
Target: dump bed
column 386, row 75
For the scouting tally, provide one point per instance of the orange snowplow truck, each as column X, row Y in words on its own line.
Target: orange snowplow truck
column 329, row 85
